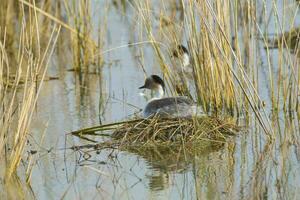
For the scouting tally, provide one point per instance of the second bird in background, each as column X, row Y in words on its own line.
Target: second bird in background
column 182, row 54
column 183, row 73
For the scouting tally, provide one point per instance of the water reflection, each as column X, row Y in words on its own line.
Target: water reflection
column 163, row 164
column 164, row 160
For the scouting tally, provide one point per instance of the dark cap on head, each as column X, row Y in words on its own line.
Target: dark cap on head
column 152, row 81
column 180, row 50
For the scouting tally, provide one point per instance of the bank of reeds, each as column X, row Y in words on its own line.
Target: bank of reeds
column 29, row 31
column 224, row 39
column 26, row 59
column 84, row 48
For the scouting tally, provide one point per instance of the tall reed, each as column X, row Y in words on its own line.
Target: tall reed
column 83, row 45
column 25, row 68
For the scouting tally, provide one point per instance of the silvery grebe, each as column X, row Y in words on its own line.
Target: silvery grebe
column 180, row 106
column 183, row 69
column 182, row 54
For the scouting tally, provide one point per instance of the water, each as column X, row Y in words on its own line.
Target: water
column 227, row 171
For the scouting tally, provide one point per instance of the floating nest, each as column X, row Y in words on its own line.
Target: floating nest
column 161, row 131
column 166, row 145
column 158, row 130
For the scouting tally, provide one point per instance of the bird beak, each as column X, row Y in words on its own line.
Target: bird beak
column 142, row 87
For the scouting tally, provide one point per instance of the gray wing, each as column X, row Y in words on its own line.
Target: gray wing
column 170, row 106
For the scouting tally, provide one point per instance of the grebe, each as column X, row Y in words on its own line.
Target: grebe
column 183, row 70
column 183, row 55
column 180, row 106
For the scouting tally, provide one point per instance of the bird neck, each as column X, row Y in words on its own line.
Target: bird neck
column 185, row 60
column 158, row 92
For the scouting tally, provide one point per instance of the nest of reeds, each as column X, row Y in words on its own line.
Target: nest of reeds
column 162, row 131
column 165, row 144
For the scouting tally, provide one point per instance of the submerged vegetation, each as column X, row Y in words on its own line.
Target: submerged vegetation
column 245, row 64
